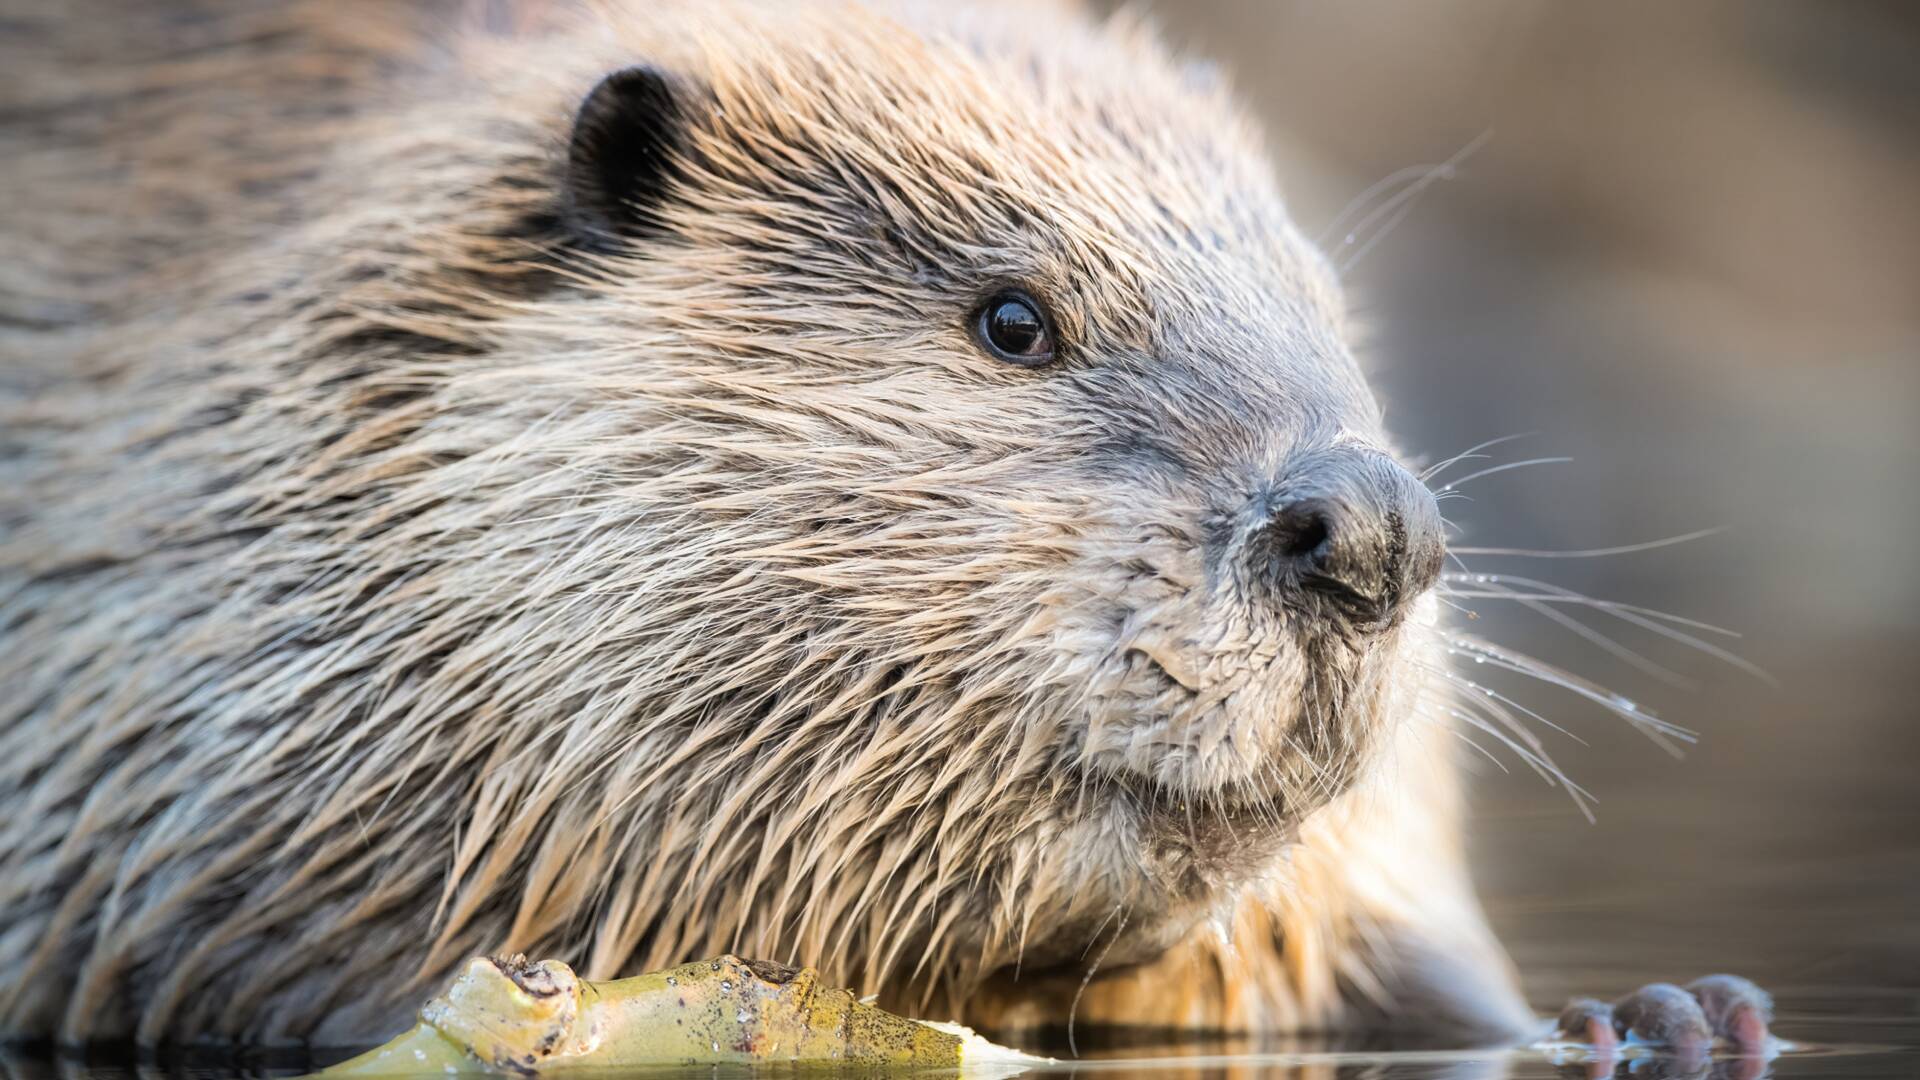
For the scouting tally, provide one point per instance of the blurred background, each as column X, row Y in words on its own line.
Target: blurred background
column 1687, row 256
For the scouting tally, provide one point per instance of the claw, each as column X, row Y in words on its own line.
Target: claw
column 1736, row 1010
column 1585, row 1020
column 1665, row 1015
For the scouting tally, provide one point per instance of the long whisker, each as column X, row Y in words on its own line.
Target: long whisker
column 1471, row 741
column 1500, row 709
column 1648, row 623
column 1471, row 452
column 1526, row 748
column 1606, row 643
column 1359, row 203
column 1092, row 969
column 1395, row 209
column 1594, row 553
column 1455, row 593
column 1534, row 758
column 1471, row 477
column 1487, row 691
column 1663, row 733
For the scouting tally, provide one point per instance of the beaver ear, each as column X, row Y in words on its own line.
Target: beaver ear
column 619, row 160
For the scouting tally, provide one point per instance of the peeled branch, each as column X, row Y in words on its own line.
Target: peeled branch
column 511, row 1016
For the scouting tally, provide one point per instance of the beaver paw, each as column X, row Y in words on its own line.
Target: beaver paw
column 1719, row 1009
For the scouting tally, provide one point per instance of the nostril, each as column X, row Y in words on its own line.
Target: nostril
column 1358, row 532
column 1300, row 535
column 1317, row 543
column 1301, row 531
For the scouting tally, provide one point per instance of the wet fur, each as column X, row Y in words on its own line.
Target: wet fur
column 391, row 573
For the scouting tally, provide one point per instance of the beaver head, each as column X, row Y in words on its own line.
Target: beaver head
column 994, row 526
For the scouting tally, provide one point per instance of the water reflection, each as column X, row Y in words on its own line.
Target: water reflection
column 1418, row 1065
column 1172, row 1063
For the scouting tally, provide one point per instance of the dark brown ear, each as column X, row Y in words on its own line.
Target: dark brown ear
column 620, row 161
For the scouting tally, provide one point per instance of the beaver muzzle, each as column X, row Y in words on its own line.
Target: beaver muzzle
column 1349, row 527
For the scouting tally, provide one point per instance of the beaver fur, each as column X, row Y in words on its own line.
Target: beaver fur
column 423, row 534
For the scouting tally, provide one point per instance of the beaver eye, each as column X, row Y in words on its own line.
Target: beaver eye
column 1014, row 328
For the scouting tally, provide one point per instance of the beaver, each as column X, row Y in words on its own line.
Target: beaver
column 881, row 487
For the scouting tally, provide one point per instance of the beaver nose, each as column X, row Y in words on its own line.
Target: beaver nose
column 1350, row 524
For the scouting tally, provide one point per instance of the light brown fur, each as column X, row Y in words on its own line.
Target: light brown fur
column 384, row 580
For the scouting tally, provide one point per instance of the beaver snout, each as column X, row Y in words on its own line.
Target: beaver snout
column 1350, row 525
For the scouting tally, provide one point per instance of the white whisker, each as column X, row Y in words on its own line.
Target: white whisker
column 1647, row 621
column 1564, row 597
column 1395, row 209
column 1471, row 477
column 1594, row 553
column 1470, row 453
column 1606, row 643
column 1664, row 733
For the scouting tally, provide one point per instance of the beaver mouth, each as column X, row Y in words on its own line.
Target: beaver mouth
column 1161, row 675
column 1240, row 809
column 1196, row 738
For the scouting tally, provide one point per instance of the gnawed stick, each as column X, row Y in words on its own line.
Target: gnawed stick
column 511, row 1016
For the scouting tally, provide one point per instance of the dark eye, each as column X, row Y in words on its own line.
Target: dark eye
column 1014, row 328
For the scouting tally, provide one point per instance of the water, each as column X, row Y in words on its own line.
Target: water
column 1872, row 1038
